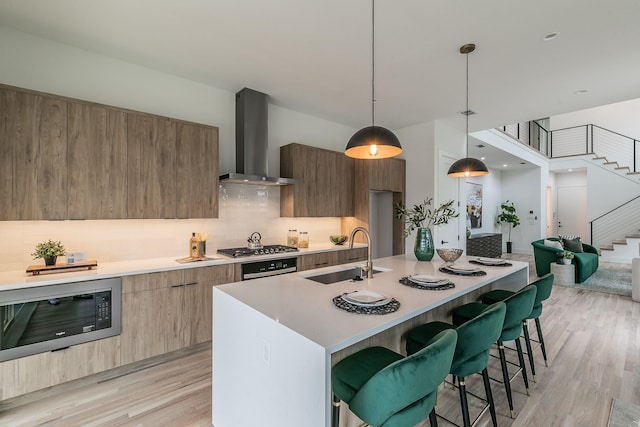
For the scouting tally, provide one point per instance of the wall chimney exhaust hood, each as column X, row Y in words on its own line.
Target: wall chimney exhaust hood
column 252, row 141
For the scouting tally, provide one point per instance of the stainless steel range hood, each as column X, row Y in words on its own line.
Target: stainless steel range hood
column 252, row 141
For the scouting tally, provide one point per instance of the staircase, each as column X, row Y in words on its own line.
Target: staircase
column 623, row 250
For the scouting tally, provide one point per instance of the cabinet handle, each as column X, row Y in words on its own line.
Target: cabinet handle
column 177, row 286
column 320, row 263
column 191, row 284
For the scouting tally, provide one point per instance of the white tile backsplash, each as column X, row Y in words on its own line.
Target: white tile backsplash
column 243, row 209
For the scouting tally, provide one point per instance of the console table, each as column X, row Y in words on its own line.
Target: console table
column 485, row 244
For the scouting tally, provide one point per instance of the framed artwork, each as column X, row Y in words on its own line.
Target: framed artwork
column 474, row 205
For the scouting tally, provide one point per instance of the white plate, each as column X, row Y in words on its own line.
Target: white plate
column 462, row 270
column 491, row 261
column 425, row 280
column 366, row 298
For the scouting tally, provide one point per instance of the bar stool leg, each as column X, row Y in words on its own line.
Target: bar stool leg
column 522, row 365
column 505, row 376
column 463, row 402
column 487, row 389
column 527, row 342
column 542, row 347
column 335, row 411
column 433, row 420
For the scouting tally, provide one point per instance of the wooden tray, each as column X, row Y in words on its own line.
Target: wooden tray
column 37, row 269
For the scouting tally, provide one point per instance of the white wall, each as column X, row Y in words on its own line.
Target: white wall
column 621, row 117
column 526, row 190
column 50, row 67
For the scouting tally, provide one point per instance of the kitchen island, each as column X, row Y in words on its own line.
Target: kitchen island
column 276, row 339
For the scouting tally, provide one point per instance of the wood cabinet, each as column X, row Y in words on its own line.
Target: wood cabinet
column 197, row 171
column 324, row 182
column 33, row 156
column 97, row 162
column 62, row 158
column 163, row 312
column 327, row 259
column 151, row 167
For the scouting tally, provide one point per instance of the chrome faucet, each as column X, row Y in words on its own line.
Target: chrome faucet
column 369, row 266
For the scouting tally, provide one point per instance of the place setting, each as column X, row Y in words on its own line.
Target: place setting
column 491, row 262
column 366, row 302
column 450, row 256
column 425, row 281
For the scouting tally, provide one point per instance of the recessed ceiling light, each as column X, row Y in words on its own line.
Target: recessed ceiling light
column 581, row 91
column 482, row 158
column 550, row 36
column 504, row 166
column 523, row 163
column 570, row 170
column 480, row 146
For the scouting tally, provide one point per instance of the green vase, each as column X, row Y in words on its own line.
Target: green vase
column 423, row 248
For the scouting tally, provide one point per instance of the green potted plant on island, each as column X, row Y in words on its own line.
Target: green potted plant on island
column 508, row 216
column 49, row 250
column 421, row 218
column 567, row 257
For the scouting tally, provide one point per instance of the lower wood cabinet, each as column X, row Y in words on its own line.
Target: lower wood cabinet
column 163, row 312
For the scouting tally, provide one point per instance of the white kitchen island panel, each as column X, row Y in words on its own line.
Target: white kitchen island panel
column 275, row 339
column 264, row 368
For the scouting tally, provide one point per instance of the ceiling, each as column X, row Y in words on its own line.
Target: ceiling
column 315, row 56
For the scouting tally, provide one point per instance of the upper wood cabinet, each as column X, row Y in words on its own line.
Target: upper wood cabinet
column 197, row 171
column 387, row 174
column 62, row 158
column 324, row 182
column 33, row 156
column 97, row 162
column 151, row 167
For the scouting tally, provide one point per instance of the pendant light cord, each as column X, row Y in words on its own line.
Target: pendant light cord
column 373, row 62
column 466, row 113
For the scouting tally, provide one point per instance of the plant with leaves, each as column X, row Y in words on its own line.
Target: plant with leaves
column 48, row 249
column 421, row 216
column 568, row 255
column 508, row 216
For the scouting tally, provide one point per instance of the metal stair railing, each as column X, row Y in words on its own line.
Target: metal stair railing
column 593, row 139
column 616, row 224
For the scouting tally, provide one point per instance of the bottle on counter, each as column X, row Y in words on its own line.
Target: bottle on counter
column 193, row 246
column 292, row 238
column 303, row 240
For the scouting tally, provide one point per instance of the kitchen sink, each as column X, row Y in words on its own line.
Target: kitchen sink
column 340, row 275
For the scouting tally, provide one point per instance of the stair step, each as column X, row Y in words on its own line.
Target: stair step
column 623, row 167
column 606, row 248
column 632, row 236
column 600, row 158
column 633, row 173
column 611, row 163
column 619, row 242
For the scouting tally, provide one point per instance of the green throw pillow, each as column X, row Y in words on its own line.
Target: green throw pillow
column 573, row 245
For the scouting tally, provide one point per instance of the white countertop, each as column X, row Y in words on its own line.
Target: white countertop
column 306, row 306
column 20, row 279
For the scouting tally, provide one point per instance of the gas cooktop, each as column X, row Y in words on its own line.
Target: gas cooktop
column 266, row 250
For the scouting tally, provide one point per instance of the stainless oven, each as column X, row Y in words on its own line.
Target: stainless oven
column 257, row 269
column 47, row 318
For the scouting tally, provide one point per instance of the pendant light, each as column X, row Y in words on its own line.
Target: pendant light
column 373, row 142
column 467, row 166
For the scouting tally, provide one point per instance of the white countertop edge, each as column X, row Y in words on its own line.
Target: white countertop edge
column 20, row 279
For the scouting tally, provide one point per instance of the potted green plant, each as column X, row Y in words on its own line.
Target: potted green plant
column 421, row 217
column 49, row 250
column 567, row 256
column 508, row 216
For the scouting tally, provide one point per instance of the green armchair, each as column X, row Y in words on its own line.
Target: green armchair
column 586, row 262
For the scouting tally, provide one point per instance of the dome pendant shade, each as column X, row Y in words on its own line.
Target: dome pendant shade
column 467, row 167
column 373, row 142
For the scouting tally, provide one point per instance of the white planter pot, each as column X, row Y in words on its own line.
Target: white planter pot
column 566, row 261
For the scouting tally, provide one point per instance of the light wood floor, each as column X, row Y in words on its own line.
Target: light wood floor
column 593, row 342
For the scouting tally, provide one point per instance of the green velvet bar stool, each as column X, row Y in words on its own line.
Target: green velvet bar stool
column 519, row 306
column 475, row 338
column 383, row 388
column 544, row 286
